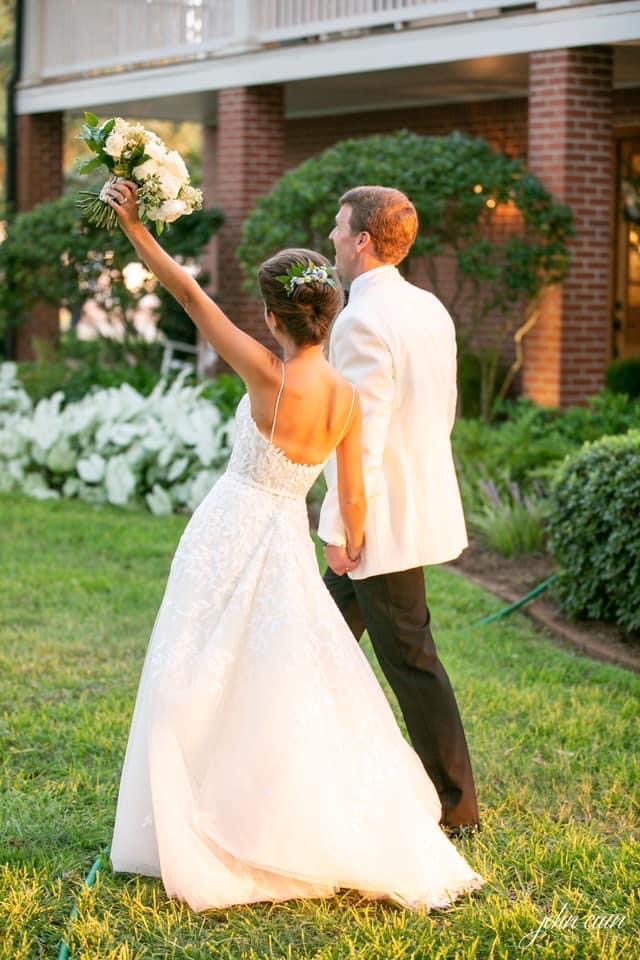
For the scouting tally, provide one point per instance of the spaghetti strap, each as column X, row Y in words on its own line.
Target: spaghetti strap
column 275, row 412
column 346, row 424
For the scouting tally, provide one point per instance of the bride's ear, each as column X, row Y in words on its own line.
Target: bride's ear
column 271, row 320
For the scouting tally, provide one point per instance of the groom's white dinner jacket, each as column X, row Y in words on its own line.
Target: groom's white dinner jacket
column 397, row 344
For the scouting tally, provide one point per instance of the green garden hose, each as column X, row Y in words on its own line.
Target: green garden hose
column 90, row 879
column 505, row 611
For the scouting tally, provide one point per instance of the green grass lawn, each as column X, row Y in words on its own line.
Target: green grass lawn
column 553, row 737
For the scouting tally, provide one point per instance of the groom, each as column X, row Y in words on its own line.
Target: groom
column 396, row 343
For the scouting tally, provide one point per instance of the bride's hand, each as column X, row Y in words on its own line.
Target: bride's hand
column 122, row 196
column 338, row 560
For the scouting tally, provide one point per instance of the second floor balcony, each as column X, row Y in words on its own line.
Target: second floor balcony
column 66, row 38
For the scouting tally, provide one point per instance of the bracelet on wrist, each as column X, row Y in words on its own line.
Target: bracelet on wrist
column 357, row 556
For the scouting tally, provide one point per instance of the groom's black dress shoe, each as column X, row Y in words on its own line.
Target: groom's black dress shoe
column 461, row 830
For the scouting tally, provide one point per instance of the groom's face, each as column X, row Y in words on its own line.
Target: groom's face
column 346, row 245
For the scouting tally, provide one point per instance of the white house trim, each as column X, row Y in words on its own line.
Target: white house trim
column 605, row 23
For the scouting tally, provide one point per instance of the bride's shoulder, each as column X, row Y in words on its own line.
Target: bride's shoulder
column 345, row 390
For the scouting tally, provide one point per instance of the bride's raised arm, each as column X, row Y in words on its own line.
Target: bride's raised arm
column 249, row 358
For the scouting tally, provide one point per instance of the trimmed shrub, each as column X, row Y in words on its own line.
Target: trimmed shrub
column 623, row 376
column 594, row 530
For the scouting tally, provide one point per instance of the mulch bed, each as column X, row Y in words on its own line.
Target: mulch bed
column 512, row 577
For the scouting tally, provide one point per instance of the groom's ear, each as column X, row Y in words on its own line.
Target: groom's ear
column 364, row 241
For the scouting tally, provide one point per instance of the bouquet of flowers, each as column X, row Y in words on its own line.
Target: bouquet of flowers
column 129, row 152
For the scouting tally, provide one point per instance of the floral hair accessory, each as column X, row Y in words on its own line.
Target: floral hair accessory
column 298, row 273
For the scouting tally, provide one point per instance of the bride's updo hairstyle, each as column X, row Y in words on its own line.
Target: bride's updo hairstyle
column 306, row 306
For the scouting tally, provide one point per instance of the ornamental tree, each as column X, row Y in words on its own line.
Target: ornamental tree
column 491, row 237
column 50, row 255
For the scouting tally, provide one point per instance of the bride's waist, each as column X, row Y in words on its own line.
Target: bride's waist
column 273, row 490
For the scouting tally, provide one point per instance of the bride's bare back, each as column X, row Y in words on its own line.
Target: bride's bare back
column 310, row 411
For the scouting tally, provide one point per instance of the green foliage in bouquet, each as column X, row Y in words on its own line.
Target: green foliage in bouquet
column 456, row 182
column 594, row 532
column 95, row 137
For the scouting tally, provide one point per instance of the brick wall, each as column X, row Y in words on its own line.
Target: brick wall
column 503, row 123
column 39, row 145
column 250, row 152
column 39, row 152
column 570, row 150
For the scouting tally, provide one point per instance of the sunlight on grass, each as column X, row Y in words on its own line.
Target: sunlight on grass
column 553, row 737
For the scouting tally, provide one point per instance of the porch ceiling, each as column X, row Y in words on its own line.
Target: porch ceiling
column 482, row 78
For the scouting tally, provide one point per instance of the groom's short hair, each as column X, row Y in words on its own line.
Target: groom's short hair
column 387, row 215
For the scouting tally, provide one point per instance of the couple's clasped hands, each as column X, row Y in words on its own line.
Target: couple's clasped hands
column 339, row 560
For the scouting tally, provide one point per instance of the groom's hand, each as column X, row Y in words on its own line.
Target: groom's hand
column 338, row 560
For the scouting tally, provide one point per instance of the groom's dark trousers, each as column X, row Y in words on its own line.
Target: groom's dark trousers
column 392, row 607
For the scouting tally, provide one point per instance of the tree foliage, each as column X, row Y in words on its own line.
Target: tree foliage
column 6, row 66
column 51, row 255
column 458, row 185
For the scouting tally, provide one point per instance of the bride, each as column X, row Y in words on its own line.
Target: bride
column 264, row 761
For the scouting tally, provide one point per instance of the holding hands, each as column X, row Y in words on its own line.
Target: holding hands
column 340, row 559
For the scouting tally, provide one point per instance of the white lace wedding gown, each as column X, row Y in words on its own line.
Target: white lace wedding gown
column 264, row 761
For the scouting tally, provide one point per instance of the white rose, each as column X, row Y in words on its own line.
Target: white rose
column 146, row 169
column 121, row 127
column 176, row 165
column 155, row 150
column 114, row 144
column 170, row 210
column 169, row 184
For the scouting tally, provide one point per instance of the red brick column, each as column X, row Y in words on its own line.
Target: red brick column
column 39, row 147
column 570, row 150
column 209, row 256
column 250, row 158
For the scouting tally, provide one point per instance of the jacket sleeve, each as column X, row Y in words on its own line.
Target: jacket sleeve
column 363, row 357
column 453, row 389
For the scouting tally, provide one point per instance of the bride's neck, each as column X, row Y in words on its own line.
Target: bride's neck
column 292, row 352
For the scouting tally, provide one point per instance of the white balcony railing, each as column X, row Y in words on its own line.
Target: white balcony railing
column 67, row 38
